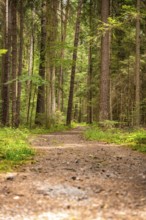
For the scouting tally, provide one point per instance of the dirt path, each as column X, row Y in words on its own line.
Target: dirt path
column 74, row 179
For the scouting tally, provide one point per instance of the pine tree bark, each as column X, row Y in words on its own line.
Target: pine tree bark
column 14, row 62
column 90, row 73
column 137, row 67
column 6, row 67
column 74, row 59
column 40, row 107
column 21, row 11
column 110, row 83
column 104, row 102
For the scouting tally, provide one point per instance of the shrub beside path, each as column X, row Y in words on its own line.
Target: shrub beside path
column 74, row 179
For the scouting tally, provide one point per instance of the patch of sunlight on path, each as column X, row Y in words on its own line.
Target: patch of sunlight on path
column 51, row 216
column 43, row 216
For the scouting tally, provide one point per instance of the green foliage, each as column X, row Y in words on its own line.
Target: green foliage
column 14, row 148
column 113, row 23
column 138, row 138
column 35, row 79
column 59, row 117
column 107, row 124
column 129, row 13
column 75, row 124
column 56, row 128
column 135, row 138
column 3, row 51
column 55, row 120
column 109, row 135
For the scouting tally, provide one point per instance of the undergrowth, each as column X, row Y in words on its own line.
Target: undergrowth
column 133, row 138
column 14, row 149
column 55, row 128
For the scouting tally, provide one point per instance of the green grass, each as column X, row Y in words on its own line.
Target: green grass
column 135, row 138
column 14, row 149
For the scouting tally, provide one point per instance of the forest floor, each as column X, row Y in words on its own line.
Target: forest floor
column 75, row 179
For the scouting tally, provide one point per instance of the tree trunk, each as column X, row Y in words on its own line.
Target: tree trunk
column 74, row 59
column 137, row 67
column 64, row 21
column 104, row 103
column 110, row 54
column 34, row 94
column 40, row 108
column 111, row 104
column 30, row 68
column 14, row 61
column 52, row 24
column 80, row 111
column 53, row 97
column 20, row 63
column 6, row 67
column 90, row 73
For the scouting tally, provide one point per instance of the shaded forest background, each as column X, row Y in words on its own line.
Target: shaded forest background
column 64, row 61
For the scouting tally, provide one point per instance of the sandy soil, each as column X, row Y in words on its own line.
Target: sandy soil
column 75, row 179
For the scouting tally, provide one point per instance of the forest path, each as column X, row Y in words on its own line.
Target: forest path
column 75, row 179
